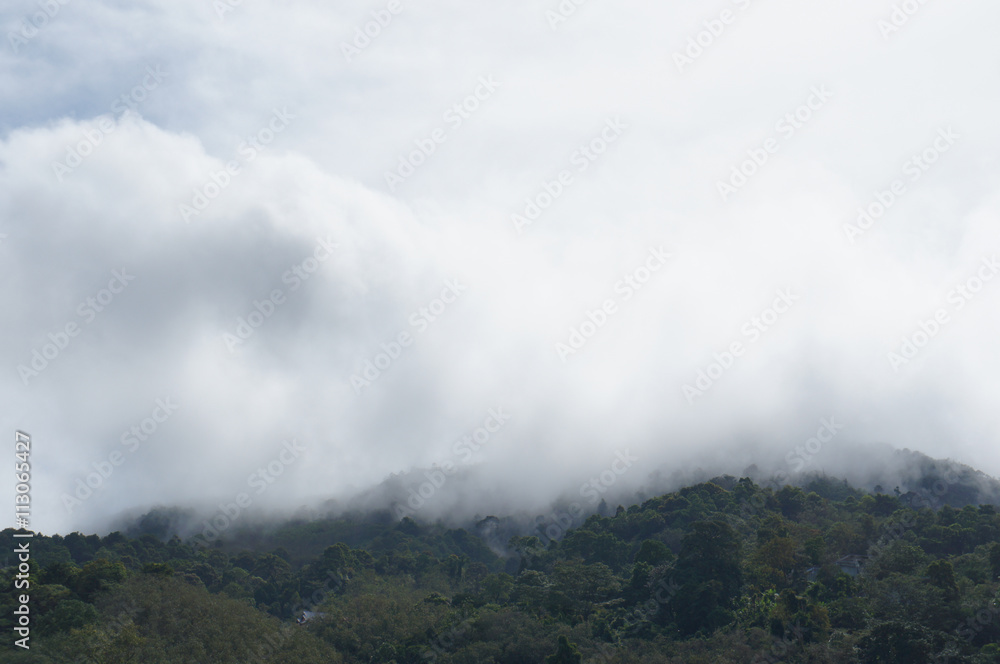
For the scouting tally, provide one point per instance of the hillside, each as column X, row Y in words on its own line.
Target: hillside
column 723, row 571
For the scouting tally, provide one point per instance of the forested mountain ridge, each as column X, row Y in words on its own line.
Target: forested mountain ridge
column 721, row 571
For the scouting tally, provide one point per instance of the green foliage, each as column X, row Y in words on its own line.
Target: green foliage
column 941, row 574
column 566, row 653
column 896, row 643
column 96, row 576
column 995, row 560
column 900, row 557
column 67, row 615
column 723, row 571
column 158, row 569
column 653, row 553
column 815, row 548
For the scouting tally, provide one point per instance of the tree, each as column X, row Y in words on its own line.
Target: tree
column 899, row 556
column 271, row 568
column 61, row 573
column 529, row 549
column 158, row 569
column 792, row 501
column 941, row 574
column 583, row 585
column 711, row 551
column 69, row 614
column 530, row 589
column 98, row 575
column 595, row 547
column 566, row 653
column 778, row 554
column 708, row 572
column 995, row 560
column 896, row 643
column 653, row 552
column 772, row 527
column 497, row 587
column 815, row 548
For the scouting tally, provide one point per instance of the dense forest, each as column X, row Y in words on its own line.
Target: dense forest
column 723, row 571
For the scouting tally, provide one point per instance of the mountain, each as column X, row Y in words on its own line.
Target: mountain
column 727, row 570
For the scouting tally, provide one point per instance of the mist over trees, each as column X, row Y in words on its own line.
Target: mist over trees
column 720, row 571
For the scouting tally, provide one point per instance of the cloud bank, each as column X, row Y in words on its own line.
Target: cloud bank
column 688, row 232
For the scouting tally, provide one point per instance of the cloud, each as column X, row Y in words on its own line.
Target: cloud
column 223, row 189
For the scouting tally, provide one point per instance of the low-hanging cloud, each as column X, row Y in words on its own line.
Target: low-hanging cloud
column 226, row 269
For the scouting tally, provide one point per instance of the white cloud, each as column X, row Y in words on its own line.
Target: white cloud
column 323, row 175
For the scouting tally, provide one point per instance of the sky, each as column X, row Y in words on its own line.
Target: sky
column 273, row 253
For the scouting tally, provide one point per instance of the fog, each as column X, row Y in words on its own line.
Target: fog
column 249, row 255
